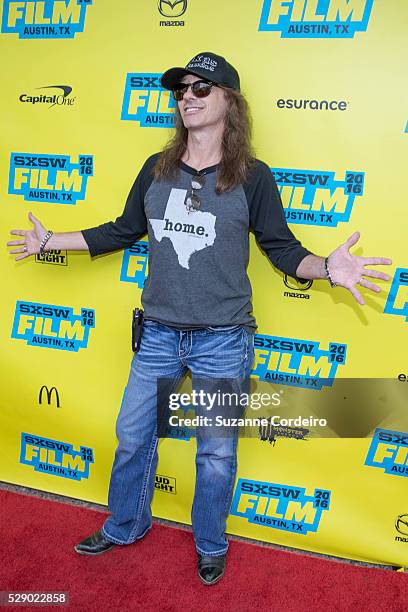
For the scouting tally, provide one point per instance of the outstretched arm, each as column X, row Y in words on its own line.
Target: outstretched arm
column 268, row 221
column 29, row 243
column 345, row 269
column 104, row 238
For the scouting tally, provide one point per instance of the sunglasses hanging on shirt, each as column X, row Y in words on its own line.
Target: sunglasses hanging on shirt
column 192, row 201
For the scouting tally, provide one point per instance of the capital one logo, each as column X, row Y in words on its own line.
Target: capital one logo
column 315, row 18
column 172, row 9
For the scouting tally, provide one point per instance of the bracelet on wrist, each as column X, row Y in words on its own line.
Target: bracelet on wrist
column 45, row 240
column 329, row 278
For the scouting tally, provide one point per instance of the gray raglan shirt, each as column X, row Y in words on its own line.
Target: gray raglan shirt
column 198, row 260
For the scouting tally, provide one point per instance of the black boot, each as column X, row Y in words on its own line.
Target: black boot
column 211, row 569
column 96, row 544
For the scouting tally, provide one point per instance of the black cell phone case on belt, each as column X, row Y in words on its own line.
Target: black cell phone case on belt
column 137, row 328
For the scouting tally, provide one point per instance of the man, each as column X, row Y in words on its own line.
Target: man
column 197, row 199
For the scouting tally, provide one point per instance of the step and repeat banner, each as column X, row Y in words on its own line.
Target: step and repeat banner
column 81, row 109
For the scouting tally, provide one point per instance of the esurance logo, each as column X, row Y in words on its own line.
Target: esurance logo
column 52, row 178
column 315, row 18
column 55, row 458
column 397, row 300
column 135, row 264
column 389, row 452
column 297, row 363
column 44, row 19
column 52, row 326
column 59, row 98
column 316, row 197
column 283, row 507
column 147, row 102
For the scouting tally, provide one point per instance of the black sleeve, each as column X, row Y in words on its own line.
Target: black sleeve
column 132, row 223
column 267, row 219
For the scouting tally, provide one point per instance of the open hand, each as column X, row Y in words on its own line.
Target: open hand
column 348, row 270
column 30, row 244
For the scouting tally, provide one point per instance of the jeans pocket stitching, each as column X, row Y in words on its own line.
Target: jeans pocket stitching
column 223, row 328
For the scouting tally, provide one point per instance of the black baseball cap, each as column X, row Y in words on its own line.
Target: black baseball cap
column 206, row 65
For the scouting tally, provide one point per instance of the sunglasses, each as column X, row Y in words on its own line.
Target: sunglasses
column 192, row 201
column 201, row 89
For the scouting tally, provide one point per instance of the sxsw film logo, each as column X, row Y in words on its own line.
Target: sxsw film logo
column 55, row 458
column 172, row 9
column 54, row 257
column 315, row 18
column 52, row 326
column 283, row 507
column 389, row 452
column 297, row 363
column 167, row 484
column 54, row 178
column 397, row 300
column 51, row 98
column 44, row 19
column 135, row 264
column 316, row 197
column 146, row 101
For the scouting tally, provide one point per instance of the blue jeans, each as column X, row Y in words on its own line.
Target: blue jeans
column 210, row 353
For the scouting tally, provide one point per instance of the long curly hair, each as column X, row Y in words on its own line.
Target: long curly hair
column 237, row 154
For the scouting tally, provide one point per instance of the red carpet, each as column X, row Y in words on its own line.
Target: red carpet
column 159, row 573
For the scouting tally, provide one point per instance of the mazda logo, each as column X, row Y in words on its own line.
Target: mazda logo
column 291, row 283
column 167, row 8
column 401, row 524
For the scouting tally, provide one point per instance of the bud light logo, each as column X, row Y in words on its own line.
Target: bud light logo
column 52, row 326
column 389, row 452
column 135, row 264
column 315, row 197
column 147, row 102
column 297, row 363
column 55, row 458
column 397, row 300
column 283, row 507
column 49, row 178
column 315, row 18
column 44, row 19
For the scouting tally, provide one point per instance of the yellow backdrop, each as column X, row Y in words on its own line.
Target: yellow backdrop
column 82, row 109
